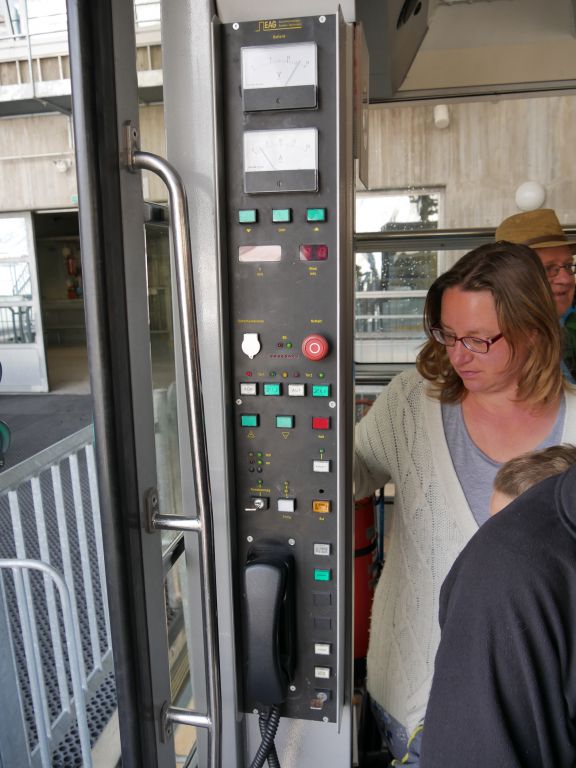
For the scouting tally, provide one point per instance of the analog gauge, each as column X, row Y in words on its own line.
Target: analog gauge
column 279, row 66
column 284, row 150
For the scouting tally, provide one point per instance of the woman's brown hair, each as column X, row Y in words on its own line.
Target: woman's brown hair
column 526, row 312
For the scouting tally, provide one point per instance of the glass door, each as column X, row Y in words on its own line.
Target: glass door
column 22, row 354
column 176, row 589
column 140, row 414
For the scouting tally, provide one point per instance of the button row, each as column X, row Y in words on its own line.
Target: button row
column 281, row 215
column 318, row 465
column 321, row 507
column 274, row 389
column 252, row 420
column 285, row 374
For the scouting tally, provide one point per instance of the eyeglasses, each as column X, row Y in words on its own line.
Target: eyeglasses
column 472, row 343
column 552, row 270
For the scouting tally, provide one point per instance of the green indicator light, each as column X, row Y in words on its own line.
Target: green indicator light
column 321, row 574
column 247, row 216
column 249, row 420
column 281, row 215
column 288, row 345
column 285, row 422
column 259, row 454
column 315, row 214
column 320, row 390
column 321, row 375
column 272, row 389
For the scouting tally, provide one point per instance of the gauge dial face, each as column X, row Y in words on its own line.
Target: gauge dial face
column 279, row 66
column 285, row 150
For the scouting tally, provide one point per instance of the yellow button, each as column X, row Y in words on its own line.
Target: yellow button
column 323, row 507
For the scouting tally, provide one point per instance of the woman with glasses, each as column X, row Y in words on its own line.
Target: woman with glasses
column 488, row 386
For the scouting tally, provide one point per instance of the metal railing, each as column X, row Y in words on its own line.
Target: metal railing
column 69, row 668
column 49, row 511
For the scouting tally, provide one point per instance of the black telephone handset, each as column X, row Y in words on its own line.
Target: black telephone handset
column 269, row 624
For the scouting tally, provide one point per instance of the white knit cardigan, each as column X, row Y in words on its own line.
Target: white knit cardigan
column 402, row 440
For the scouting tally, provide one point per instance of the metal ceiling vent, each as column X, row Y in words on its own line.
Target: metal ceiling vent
column 410, row 8
column 394, row 31
column 468, row 2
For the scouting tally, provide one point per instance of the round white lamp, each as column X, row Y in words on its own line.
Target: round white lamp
column 530, row 196
column 441, row 116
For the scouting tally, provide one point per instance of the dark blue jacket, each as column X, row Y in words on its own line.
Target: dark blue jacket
column 504, row 688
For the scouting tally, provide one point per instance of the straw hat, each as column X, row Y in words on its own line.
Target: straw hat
column 538, row 229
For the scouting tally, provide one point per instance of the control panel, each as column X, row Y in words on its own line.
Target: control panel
column 290, row 270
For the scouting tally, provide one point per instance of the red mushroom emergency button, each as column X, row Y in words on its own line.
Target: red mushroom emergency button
column 315, row 347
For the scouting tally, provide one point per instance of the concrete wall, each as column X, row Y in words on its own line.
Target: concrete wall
column 33, row 147
column 30, row 148
column 487, row 151
column 479, row 160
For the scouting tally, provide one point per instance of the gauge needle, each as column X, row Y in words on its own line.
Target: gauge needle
column 270, row 163
column 292, row 73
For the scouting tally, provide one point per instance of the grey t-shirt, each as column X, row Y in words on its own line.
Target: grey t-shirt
column 474, row 469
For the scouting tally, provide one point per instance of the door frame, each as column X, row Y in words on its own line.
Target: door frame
column 104, row 85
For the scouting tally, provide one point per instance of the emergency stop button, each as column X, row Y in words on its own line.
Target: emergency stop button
column 315, row 347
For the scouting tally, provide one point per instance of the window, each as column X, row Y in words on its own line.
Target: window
column 391, row 284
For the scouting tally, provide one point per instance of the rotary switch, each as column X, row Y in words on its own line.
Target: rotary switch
column 315, row 347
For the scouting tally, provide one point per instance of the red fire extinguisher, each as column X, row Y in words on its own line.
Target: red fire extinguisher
column 71, row 265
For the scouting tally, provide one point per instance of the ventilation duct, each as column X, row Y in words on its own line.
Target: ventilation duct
column 394, row 30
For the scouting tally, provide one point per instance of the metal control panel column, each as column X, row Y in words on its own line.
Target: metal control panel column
column 290, row 266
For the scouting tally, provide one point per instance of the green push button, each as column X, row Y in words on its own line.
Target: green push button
column 249, row 420
column 281, row 215
column 322, row 574
column 247, row 216
column 285, row 422
column 273, row 389
column 321, row 390
column 315, row 214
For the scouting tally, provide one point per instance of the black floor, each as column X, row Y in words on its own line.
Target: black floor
column 38, row 421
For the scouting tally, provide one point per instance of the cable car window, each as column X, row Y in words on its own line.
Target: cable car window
column 391, row 285
column 147, row 13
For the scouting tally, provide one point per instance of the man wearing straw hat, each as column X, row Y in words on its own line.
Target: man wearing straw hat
column 542, row 231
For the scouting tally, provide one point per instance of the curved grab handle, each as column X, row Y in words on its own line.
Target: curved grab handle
column 203, row 524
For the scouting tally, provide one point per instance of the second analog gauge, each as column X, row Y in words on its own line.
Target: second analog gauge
column 284, row 150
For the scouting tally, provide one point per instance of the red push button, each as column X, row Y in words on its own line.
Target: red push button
column 315, row 347
column 320, row 422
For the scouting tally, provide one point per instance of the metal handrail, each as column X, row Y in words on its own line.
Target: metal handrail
column 429, row 238
column 31, row 467
column 203, row 523
column 418, row 294
column 421, row 239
